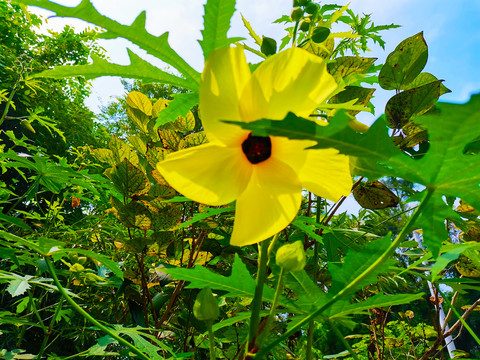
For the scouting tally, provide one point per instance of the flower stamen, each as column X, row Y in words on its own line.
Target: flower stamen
column 257, row 148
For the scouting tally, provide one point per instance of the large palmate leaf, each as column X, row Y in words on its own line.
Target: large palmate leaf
column 239, row 283
column 446, row 170
column 157, row 46
column 217, row 22
column 138, row 69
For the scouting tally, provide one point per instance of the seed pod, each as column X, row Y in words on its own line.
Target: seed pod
column 297, row 14
column 205, row 307
column 291, row 257
column 312, row 8
column 305, row 25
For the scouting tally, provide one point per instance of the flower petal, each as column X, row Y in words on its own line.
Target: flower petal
column 223, row 80
column 209, row 173
column 291, row 81
column 326, row 173
column 269, row 203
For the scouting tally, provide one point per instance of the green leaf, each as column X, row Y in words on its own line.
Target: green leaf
column 358, row 93
column 203, row 215
column 157, row 46
column 109, row 264
column 239, row 284
column 359, row 262
column 342, row 308
column 445, row 170
column 346, row 66
column 129, row 180
column 404, row 64
column 138, row 69
column 140, row 101
column 426, row 78
column 193, row 140
column 216, row 24
column 19, row 286
column 252, row 33
column 411, row 103
column 180, row 106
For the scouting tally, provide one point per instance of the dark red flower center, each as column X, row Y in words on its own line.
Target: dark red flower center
column 257, row 148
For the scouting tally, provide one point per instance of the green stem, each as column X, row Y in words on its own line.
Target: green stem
column 7, row 106
column 271, row 314
column 257, row 299
column 26, row 194
column 87, row 316
column 381, row 259
column 344, row 342
column 211, row 339
column 48, row 330
column 311, row 326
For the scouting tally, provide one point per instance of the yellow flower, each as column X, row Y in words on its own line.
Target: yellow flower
column 265, row 175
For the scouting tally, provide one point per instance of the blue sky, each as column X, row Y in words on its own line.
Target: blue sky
column 451, row 29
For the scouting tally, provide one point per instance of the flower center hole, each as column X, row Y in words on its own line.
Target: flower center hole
column 257, row 148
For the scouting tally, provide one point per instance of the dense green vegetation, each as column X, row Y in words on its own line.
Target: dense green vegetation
column 100, row 256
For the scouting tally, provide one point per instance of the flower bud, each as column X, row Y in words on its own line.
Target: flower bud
column 205, row 307
column 305, row 25
column 312, row 8
column 297, row 14
column 291, row 257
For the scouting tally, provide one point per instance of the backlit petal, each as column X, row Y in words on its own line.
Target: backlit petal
column 326, row 173
column 291, row 81
column 269, row 203
column 209, row 174
column 223, row 80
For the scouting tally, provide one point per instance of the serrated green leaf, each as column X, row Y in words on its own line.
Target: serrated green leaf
column 404, row 64
column 239, row 284
column 138, row 69
column 252, row 33
column 179, row 106
column 19, row 286
column 204, row 215
column 446, row 170
column 157, row 46
column 216, row 22
column 359, row 262
column 340, row 309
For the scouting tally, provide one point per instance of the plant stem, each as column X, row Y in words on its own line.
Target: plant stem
column 211, row 339
column 257, row 299
column 271, row 314
column 387, row 253
column 7, row 105
column 87, row 316
column 344, row 342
